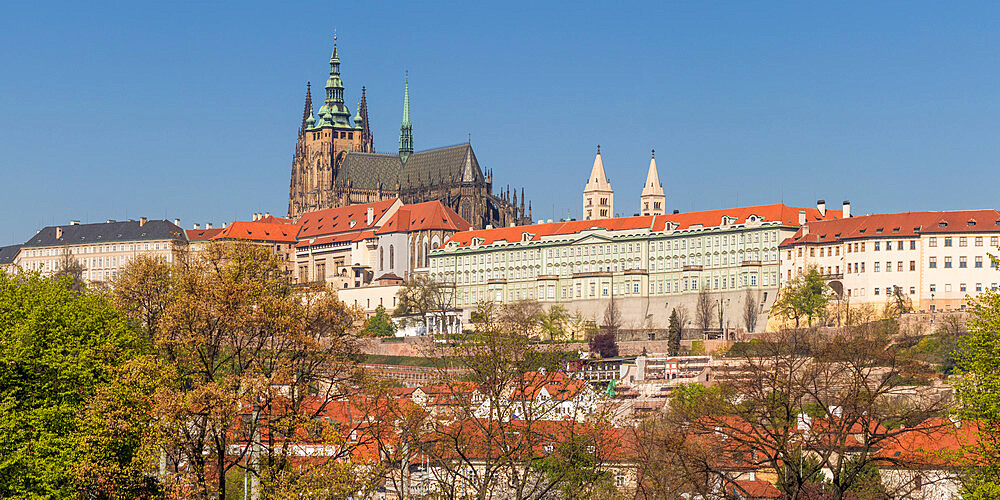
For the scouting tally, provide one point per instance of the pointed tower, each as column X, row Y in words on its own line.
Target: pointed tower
column 361, row 121
column 652, row 200
column 405, row 127
column 334, row 112
column 598, row 197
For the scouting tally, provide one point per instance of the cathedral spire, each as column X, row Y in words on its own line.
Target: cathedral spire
column 334, row 111
column 405, row 127
column 307, row 112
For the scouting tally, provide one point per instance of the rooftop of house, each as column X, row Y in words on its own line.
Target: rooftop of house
column 903, row 224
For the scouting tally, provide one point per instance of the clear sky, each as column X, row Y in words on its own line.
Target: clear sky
column 187, row 110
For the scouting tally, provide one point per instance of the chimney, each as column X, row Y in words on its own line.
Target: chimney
column 197, row 226
column 370, row 217
column 267, row 214
column 177, row 222
column 549, row 221
column 208, row 225
column 489, row 226
column 74, row 223
column 821, row 206
column 58, row 233
column 847, row 209
column 802, row 217
column 142, row 221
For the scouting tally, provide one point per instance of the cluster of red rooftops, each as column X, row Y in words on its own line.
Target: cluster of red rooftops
column 350, row 223
column 368, row 220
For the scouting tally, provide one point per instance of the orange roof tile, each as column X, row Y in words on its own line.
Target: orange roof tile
column 202, row 234
column 259, row 231
column 338, row 220
column 903, row 224
column 709, row 218
column 275, row 220
column 427, row 215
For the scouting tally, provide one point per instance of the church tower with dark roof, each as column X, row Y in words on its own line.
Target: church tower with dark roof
column 334, row 165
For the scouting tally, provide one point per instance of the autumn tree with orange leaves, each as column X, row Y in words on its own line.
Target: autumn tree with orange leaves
column 249, row 366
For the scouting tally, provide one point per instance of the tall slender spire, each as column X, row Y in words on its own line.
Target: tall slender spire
column 405, row 127
column 335, row 112
column 307, row 112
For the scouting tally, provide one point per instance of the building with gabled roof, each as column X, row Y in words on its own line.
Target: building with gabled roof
column 103, row 248
column 335, row 165
column 647, row 264
column 933, row 260
column 7, row 256
column 357, row 245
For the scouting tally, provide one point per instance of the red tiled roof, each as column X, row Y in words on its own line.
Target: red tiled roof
column 427, row 215
column 275, row 220
column 202, row 234
column 709, row 218
column 757, row 489
column 335, row 238
column 259, row 231
column 904, row 224
column 338, row 220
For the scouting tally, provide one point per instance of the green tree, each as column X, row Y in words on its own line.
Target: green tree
column 380, row 325
column 57, row 349
column 805, row 297
column 978, row 363
column 674, row 333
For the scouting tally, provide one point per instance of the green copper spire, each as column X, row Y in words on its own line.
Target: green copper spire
column 406, row 128
column 337, row 113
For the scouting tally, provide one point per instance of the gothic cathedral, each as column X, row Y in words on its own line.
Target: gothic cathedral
column 334, row 165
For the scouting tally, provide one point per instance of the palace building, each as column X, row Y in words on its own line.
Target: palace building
column 935, row 261
column 648, row 264
column 335, row 165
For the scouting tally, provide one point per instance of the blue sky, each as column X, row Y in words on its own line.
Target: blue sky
column 190, row 110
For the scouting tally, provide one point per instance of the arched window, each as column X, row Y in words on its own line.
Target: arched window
column 426, row 249
column 392, row 257
column 381, row 258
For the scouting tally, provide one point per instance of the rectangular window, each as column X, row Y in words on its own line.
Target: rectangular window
column 899, row 266
column 963, row 241
column 913, row 265
column 913, row 290
column 932, row 241
column 877, row 244
column 877, row 265
column 899, row 245
column 979, row 287
column 979, row 241
column 913, row 244
column 961, row 287
column 933, row 287
column 993, row 240
column 963, row 262
column 947, row 241
column 979, row 261
column 932, row 262
column 947, row 262
column 876, row 290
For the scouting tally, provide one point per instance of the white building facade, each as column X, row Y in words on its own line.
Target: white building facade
column 936, row 259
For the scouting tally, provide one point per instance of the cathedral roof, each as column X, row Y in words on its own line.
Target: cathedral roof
column 368, row 170
column 450, row 164
column 441, row 166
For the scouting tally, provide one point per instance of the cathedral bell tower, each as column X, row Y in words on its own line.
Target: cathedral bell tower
column 323, row 143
